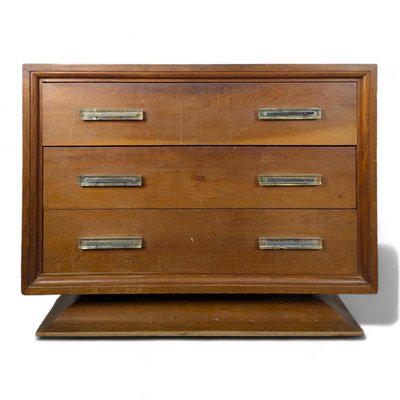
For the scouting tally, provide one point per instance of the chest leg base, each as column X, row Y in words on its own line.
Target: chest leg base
column 198, row 315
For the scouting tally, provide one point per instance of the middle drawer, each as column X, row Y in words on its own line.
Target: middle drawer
column 199, row 177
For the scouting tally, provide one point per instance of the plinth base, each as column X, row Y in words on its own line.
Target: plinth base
column 198, row 315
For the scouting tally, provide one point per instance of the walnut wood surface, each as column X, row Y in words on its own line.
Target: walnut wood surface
column 271, row 315
column 270, row 70
column 31, row 254
column 362, row 77
column 201, row 242
column 128, row 283
column 198, row 177
column 367, row 179
column 198, row 113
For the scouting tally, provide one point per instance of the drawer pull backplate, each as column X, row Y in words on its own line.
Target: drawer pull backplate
column 112, row 115
column 110, row 243
column 290, row 180
column 110, row 181
column 289, row 113
column 267, row 243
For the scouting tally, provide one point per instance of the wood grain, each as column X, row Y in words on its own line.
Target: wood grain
column 162, row 72
column 31, row 255
column 271, row 315
column 367, row 179
column 198, row 177
column 201, row 242
column 198, row 113
column 128, row 283
column 363, row 280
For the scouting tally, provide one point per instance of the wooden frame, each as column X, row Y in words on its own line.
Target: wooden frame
column 36, row 282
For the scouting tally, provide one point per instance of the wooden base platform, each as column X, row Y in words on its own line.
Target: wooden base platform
column 198, row 315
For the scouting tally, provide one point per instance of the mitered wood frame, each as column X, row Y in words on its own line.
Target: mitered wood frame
column 36, row 282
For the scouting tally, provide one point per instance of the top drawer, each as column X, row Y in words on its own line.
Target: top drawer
column 199, row 113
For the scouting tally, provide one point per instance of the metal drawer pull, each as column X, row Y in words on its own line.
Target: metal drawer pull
column 112, row 115
column 309, row 243
column 110, row 181
column 289, row 113
column 110, row 243
column 290, row 180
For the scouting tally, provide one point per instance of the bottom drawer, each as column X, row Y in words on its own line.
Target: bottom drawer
column 200, row 242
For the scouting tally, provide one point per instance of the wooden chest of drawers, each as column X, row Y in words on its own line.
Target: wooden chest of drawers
column 200, row 193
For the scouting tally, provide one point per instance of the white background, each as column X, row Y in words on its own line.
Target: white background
column 115, row 31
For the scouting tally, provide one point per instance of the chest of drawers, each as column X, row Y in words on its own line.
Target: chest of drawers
column 199, row 200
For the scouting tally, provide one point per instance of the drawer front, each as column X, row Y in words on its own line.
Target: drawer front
column 199, row 177
column 198, row 113
column 200, row 242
